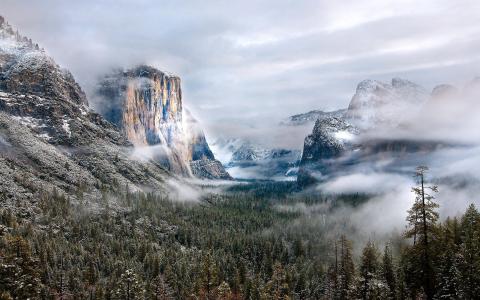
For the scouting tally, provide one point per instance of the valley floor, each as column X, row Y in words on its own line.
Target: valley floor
column 258, row 241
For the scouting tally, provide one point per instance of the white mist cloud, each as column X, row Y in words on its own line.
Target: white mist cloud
column 182, row 191
column 272, row 60
column 368, row 183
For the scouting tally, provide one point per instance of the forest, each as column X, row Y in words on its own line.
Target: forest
column 240, row 244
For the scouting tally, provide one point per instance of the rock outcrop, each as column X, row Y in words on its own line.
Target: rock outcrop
column 147, row 105
column 50, row 140
column 312, row 116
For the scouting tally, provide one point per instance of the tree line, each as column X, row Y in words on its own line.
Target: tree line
column 235, row 246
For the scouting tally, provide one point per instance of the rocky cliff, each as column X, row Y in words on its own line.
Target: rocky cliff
column 50, row 140
column 147, row 105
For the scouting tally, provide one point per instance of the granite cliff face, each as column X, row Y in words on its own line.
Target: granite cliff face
column 146, row 104
column 50, row 140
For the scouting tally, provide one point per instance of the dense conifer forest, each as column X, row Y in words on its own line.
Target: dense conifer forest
column 242, row 244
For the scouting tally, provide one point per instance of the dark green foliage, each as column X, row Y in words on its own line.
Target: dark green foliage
column 237, row 245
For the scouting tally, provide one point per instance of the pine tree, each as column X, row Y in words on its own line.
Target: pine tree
column 19, row 276
column 470, row 259
column 90, row 278
column 277, row 287
column 209, row 279
column 368, row 284
column 346, row 270
column 223, row 292
column 160, row 290
column 331, row 278
column 422, row 219
column 448, row 286
column 388, row 273
column 129, row 287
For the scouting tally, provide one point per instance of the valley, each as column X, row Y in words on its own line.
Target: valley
column 116, row 190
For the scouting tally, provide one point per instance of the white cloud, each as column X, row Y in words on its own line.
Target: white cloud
column 256, row 62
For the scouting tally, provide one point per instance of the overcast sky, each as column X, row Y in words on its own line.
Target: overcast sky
column 245, row 64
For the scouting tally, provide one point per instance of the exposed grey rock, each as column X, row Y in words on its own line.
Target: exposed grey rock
column 313, row 116
column 209, row 169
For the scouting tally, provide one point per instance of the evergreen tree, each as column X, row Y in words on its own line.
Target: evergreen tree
column 224, row 292
column 388, row 273
column 470, row 256
column 422, row 219
column 277, row 287
column 209, row 280
column 346, row 270
column 19, row 276
column 368, row 283
column 160, row 290
column 448, row 281
column 129, row 287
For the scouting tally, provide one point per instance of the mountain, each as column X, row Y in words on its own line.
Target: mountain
column 51, row 141
column 312, row 117
column 147, row 105
column 366, row 132
column 377, row 103
column 248, row 160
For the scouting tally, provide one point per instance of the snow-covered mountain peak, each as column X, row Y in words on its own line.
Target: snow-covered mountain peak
column 377, row 103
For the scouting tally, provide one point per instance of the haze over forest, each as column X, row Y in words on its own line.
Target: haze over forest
column 239, row 150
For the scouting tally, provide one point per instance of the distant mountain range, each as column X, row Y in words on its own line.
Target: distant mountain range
column 247, row 160
column 387, row 126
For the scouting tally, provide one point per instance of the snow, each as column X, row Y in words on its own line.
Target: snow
column 66, row 127
column 377, row 102
column 344, row 135
column 44, row 136
column 29, row 121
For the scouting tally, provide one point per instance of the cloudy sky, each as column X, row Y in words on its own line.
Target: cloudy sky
column 247, row 64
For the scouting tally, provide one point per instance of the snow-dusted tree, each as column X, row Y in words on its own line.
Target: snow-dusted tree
column 368, row 282
column 224, row 292
column 448, row 276
column 277, row 287
column 129, row 287
column 19, row 276
column 470, row 254
column 346, row 270
column 422, row 219
column 388, row 273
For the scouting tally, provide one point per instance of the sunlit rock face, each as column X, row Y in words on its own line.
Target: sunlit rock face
column 147, row 105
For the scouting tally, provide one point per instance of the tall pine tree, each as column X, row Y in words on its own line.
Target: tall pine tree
column 422, row 219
